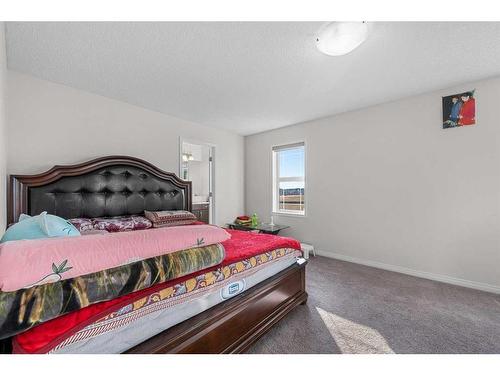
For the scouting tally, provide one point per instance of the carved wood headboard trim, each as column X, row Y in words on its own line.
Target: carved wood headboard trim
column 19, row 185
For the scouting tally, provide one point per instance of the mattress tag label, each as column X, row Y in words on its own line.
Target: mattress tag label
column 233, row 289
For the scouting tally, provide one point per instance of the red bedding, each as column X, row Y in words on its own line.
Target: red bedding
column 40, row 339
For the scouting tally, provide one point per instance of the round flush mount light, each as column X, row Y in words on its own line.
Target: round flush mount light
column 340, row 38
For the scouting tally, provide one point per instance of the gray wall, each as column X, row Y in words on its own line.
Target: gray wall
column 3, row 152
column 388, row 186
column 52, row 124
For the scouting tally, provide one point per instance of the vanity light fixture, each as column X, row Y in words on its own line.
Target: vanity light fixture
column 187, row 157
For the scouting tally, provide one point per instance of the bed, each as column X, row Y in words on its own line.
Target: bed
column 271, row 280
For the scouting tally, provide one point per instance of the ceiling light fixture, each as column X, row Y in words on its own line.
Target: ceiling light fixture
column 340, row 38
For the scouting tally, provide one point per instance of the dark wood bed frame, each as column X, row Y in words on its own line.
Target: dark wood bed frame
column 19, row 185
column 229, row 327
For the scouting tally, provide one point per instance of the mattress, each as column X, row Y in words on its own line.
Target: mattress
column 124, row 327
column 125, row 332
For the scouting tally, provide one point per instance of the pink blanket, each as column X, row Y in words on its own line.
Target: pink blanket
column 26, row 263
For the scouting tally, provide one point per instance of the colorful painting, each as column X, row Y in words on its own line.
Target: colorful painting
column 459, row 110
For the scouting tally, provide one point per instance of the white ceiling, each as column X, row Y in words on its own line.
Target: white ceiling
column 251, row 77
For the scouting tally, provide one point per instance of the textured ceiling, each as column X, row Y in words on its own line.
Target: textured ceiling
column 251, row 77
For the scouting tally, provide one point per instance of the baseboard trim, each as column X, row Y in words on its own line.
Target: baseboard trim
column 408, row 271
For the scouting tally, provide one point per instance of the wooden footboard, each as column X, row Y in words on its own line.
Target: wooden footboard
column 234, row 325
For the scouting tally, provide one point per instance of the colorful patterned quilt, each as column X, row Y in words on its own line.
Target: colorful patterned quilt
column 27, row 263
column 25, row 308
column 239, row 249
column 58, row 333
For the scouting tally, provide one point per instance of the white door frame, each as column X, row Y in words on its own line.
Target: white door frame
column 182, row 140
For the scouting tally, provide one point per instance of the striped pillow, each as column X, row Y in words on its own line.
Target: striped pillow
column 170, row 218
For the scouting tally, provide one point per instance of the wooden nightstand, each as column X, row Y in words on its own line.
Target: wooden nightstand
column 201, row 211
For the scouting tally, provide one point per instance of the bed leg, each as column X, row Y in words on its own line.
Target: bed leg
column 304, row 297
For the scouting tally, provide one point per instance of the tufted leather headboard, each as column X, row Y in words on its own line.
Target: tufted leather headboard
column 108, row 186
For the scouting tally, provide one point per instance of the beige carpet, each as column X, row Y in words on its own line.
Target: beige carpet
column 359, row 309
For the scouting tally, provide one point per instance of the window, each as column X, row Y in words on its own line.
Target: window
column 289, row 179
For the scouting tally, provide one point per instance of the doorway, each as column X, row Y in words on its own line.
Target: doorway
column 196, row 164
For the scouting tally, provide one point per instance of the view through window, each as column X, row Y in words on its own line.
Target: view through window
column 289, row 179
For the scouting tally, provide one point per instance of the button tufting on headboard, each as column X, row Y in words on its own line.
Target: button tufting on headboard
column 109, row 186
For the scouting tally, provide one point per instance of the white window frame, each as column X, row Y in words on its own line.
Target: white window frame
column 276, row 180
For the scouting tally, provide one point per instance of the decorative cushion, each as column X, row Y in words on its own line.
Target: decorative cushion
column 122, row 223
column 82, row 224
column 170, row 218
column 55, row 226
column 174, row 223
column 40, row 226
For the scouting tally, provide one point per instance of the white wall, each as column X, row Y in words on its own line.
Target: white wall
column 3, row 144
column 52, row 124
column 388, row 186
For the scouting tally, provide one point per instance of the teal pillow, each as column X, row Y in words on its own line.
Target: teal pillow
column 55, row 226
column 40, row 226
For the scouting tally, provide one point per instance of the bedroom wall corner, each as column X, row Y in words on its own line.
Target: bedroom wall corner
column 57, row 124
column 387, row 185
column 3, row 131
